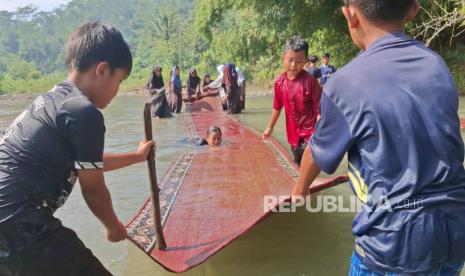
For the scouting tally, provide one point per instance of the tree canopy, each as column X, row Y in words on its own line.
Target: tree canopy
column 204, row 33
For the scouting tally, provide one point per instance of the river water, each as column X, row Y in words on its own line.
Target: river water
column 301, row 243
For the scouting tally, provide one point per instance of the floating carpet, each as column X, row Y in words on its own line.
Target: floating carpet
column 212, row 196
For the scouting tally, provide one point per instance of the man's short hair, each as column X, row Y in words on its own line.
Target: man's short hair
column 296, row 44
column 96, row 42
column 313, row 59
column 326, row 55
column 382, row 10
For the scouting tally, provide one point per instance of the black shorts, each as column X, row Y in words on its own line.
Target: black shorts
column 45, row 249
column 298, row 151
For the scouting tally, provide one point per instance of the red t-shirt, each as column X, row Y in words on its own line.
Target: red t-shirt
column 301, row 100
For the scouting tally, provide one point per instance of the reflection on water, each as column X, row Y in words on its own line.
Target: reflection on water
column 301, row 243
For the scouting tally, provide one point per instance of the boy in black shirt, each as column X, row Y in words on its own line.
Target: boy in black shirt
column 57, row 139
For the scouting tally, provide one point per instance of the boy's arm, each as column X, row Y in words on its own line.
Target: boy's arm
column 274, row 118
column 277, row 107
column 98, row 199
column 114, row 161
column 309, row 170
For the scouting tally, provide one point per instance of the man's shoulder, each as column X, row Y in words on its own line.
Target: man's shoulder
column 344, row 85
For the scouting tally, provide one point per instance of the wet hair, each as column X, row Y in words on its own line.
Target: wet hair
column 313, row 59
column 382, row 10
column 296, row 44
column 96, row 42
column 210, row 130
column 214, row 129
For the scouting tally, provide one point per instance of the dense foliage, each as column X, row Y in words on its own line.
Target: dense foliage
column 203, row 33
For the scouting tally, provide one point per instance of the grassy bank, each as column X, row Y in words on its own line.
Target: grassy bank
column 11, row 86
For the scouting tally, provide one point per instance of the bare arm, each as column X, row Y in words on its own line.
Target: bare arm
column 274, row 118
column 114, row 161
column 98, row 199
column 309, row 170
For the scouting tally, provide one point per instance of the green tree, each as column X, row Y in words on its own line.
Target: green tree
column 166, row 25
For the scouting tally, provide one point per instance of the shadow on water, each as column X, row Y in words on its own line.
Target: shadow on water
column 301, row 243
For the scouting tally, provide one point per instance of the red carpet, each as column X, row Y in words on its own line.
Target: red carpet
column 212, row 196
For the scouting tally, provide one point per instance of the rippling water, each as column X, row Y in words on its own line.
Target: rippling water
column 301, row 243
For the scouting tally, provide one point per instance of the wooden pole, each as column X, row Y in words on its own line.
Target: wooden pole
column 154, row 190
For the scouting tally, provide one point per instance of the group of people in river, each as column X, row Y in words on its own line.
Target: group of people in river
column 229, row 85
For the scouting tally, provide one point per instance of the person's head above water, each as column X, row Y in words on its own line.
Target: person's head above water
column 214, row 137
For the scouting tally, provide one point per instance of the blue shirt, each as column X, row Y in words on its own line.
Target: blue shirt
column 394, row 110
column 326, row 73
column 42, row 150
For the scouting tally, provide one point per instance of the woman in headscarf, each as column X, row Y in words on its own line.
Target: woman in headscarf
column 193, row 86
column 233, row 92
column 156, row 86
column 210, row 87
column 175, row 97
column 206, row 80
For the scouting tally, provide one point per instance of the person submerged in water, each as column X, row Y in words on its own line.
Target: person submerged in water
column 214, row 136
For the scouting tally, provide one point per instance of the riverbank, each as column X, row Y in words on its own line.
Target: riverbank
column 251, row 91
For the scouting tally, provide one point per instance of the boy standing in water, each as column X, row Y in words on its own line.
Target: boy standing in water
column 393, row 109
column 313, row 69
column 57, row 139
column 299, row 93
column 327, row 70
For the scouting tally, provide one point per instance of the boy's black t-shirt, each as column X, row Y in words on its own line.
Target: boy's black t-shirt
column 40, row 153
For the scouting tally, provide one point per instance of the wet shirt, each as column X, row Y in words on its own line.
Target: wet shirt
column 60, row 133
column 300, row 98
column 326, row 72
column 394, row 110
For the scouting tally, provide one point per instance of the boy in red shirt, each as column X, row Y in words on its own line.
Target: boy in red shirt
column 299, row 93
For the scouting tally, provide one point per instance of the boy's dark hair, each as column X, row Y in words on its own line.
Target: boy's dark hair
column 296, row 44
column 313, row 59
column 327, row 55
column 97, row 42
column 214, row 129
column 382, row 10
